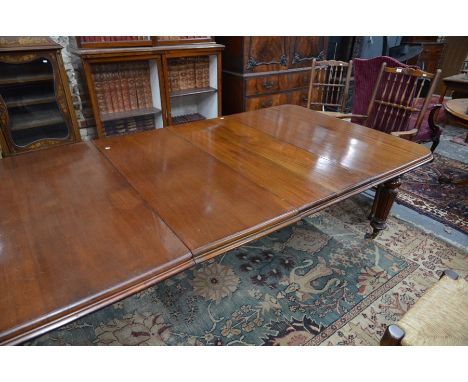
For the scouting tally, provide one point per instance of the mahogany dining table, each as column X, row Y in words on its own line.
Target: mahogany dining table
column 87, row 224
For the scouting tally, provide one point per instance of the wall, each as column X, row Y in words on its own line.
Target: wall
column 76, row 81
column 455, row 53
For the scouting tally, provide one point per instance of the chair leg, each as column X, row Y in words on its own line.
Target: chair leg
column 450, row 274
column 435, row 143
column 392, row 336
column 436, row 128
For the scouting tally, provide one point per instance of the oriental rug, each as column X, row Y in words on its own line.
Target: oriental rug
column 317, row 282
column 446, row 203
column 459, row 139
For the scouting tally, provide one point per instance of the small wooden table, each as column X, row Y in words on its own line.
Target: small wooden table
column 87, row 224
column 458, row 108
column 457, row 82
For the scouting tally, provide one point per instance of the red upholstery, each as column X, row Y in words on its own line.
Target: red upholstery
column 425, row 133
column 365, row 77
column 366, row 72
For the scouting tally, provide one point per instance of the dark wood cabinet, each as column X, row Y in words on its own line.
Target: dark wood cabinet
column 430, row 59
column 265, row 71
column 36, row 110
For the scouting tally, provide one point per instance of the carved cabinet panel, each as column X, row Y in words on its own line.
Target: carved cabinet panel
column 303, row 49
column 263, row 54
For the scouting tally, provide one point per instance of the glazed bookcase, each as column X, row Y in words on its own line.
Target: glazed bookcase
column 36, row 110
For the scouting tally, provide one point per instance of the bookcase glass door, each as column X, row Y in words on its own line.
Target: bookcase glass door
column 128, row 96
column 193, row 87
column 28, row 93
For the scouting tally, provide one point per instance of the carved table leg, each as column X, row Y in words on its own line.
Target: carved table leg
column 383, row 201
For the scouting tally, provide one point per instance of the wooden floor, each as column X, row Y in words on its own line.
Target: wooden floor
column 87, row 224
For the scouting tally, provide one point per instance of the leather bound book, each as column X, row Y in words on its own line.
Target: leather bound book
column 98, row 85
column 206, row 71
column 200, row 81
column 174, row 80
column 147, row 86
column 121, row 70
column 170, row 77
column 117, row 95
column 139, row 87
column 190, row 69
column 107, row 88
column 132, row 85
column 183, row 83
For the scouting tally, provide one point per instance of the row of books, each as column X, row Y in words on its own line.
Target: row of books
column 122, row 87
column 176, row 120
column 175, row 38
column 85, row 39
column 189, row 73
column 129, row 125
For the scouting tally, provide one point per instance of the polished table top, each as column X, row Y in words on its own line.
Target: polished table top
column 87, row 224
column 457, row 78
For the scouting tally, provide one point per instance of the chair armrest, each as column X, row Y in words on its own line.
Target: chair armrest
column 405, row 134
column 436, row 129
column 344, row 115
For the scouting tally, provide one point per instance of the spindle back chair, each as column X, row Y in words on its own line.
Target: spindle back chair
column 329, row 85
column 393, row 108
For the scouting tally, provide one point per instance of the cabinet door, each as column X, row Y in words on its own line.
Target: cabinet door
column 34, row 111
column 303, row 49
column 262, row 54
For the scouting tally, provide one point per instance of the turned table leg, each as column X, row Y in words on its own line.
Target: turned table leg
column 383, row 201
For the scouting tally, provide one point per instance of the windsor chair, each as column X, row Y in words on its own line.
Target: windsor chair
column 329, row 86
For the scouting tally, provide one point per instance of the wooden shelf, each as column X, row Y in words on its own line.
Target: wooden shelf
column 177, row 120
column 36, row 119
column 34, row 99
column 186, row 92
column 25, row 79
column 106, row 117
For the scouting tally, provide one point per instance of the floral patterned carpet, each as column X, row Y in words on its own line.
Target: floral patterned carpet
column 446, row 203
column 316, row 282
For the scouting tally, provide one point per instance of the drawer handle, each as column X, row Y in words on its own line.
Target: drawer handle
column 252, row 63
column 304, row 98
column 267, row 103
column 268, row 84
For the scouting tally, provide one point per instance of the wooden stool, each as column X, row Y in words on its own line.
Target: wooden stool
column 439, row 317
